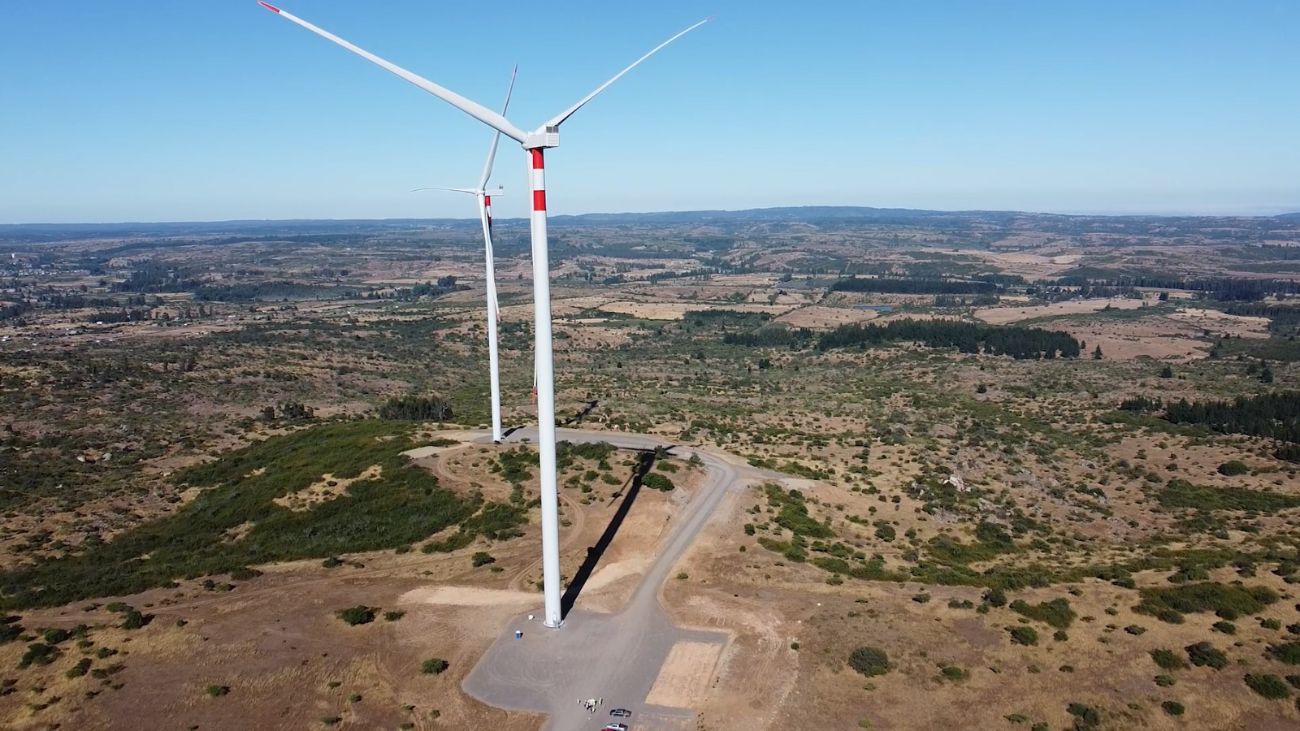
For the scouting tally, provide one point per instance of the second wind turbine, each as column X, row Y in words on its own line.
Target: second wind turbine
column 535, row 143
column 484, row 197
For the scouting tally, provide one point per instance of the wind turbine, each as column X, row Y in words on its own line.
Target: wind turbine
column 484, row 197
column 534, row 142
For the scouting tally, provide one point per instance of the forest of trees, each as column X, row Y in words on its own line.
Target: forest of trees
column 1018, row 342
column 416, row 408
column 1275, row 415
column 1220, row 288
column 900, row 285
column 1284, row 320
column 153, row 276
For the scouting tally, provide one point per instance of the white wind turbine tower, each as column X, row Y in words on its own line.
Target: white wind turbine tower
column 484, row 197
column 535, row 142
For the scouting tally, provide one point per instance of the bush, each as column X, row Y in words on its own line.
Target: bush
column 656, row 481
column 995, row 597
column 1227, row 628
column 1173, row 708
column 1269, row 686
column 38, row 653
column 1164, row 681
column 1168, row 660
column 1287, row 652
column 133, row 619
column 1203, row 654
column 216, row 691
column 1233, row 468
column 1056, row 613
column 1170, row 603
column 1085, row 717
column 434, row 666
column 952, row 672
column 1022, row 635
column 81, row 668
column 393, row 615
column 359, row 614
column 869, row 661
column 482, row 558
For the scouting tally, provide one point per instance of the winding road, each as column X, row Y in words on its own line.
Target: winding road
column 616, row 657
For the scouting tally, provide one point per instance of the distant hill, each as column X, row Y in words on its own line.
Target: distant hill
column 821, row 216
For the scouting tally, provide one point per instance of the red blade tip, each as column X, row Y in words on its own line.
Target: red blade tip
column 268, row 6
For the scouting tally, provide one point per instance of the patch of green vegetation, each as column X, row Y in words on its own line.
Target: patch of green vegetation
column 402, row 505
column 1056, row 612
column 1269, row 686
column 1023, row 635
column 359, row 614
column 1085, row 717
column 792, row 513
column 1287, row 652
column 656, row 481
column 869, row 661
column 1203, row 654
column 1170, row 603
column 434, row 666
column 216, row 691
column 1182, row 494
column 1168, row 659
column 1173, row 708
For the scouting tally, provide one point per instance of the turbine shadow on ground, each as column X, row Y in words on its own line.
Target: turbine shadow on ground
column 578, row 417
column 594, row 553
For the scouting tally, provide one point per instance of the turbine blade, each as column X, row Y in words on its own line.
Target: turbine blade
column 496, row 136
column 468, row 106
column 558, row 119
column 470, row 191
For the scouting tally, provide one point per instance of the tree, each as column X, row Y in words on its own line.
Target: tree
column 1096, row 354
column 1167, row 371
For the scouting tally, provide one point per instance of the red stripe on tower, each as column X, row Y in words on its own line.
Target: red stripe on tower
column 268, row 6
column 539, row 200
column 537, row 158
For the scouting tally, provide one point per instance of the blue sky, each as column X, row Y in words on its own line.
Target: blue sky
column 143, row 111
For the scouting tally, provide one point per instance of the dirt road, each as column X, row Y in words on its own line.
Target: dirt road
column 616, row 657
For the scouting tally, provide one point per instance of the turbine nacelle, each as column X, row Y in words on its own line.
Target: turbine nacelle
column 542, row 139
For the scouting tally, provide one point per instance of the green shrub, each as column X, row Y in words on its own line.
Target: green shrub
column 1164, row 681
column 359, row 614
column 1085, row 717
column 1203, row 654
column 135, row 620
column 1227, row 628
column 1022, row 635
column 1170, row 603
column 482, row 558
column 1056, row 612
column 434, row 666
column 869, row 661
column 1287, row 652
column 1168, row 660
column 995, row 597
column 216, row 691
column 393, row 615
column 1173, row 708
column 952, row 672
column 39, row 653
column 1234, row 467
column 657, row 481
column 1269, row 686
column 81, row 668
